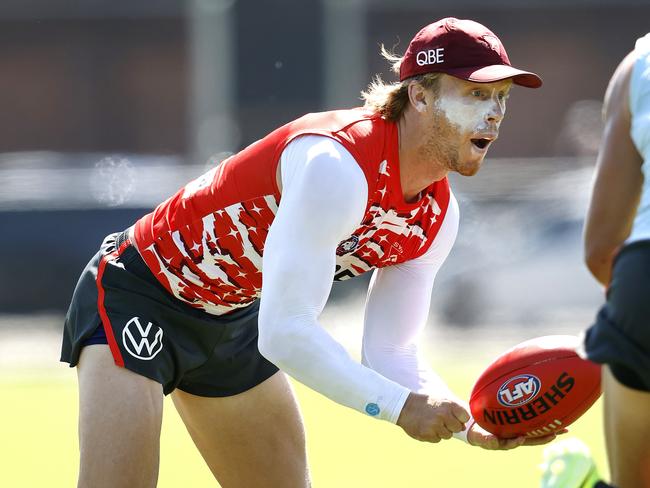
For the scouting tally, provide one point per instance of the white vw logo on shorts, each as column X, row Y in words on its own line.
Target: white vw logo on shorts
column 136, row 339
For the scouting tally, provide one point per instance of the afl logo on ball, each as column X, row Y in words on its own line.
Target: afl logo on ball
column 518, row 390
column 347, row 245
column 142, row 342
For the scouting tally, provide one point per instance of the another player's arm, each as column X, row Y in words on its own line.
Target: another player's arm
column 618, row 181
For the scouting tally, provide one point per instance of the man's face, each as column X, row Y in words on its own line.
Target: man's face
column 464, row 120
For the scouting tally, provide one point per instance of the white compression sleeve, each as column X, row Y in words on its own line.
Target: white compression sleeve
column 397, row 308
column 324, row 195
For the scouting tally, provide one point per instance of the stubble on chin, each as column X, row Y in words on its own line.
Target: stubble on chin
column 469, row 169
column 441, row 146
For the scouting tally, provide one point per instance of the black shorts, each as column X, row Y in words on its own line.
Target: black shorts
column 620, row 336
column 152, row 333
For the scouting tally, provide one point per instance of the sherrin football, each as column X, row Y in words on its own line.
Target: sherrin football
column 535, row 388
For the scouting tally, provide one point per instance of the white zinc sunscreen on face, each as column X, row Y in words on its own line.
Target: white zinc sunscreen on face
column 466, row 114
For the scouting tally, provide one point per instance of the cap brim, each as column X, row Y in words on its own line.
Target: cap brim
column 497, row 72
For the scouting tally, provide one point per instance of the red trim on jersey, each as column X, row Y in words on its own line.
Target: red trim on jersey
column 108, row 328
column 123, row 246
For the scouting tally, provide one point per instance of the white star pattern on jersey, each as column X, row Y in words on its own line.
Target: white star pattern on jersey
column 214, row 260
column 385, row 221
column 384, row 228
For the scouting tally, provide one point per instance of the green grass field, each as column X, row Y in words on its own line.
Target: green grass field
column 39, row 441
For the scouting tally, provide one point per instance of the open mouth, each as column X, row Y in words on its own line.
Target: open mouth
column 481, row 143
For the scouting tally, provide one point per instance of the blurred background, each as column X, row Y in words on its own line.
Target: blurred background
column 108, row 107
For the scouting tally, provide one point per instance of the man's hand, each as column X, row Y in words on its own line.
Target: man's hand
column 430, row 419
column 477, row 436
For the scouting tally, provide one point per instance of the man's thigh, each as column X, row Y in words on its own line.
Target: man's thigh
column 120, row 415
column 255, row 438
column 627, row 429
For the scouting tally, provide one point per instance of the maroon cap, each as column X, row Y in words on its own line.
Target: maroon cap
column 464, row 49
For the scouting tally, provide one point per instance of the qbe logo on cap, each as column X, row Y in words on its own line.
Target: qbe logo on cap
column 519, row 390
column 430, row 56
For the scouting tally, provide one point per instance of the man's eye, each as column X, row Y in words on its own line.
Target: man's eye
column 477, row 93
column 503, row 96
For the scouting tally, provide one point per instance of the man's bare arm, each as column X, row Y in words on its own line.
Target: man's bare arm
column 618, row 181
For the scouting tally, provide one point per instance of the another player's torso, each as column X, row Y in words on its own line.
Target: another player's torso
column 205, row 244
column 640, row 132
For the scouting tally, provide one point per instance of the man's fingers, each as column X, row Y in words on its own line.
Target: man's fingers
column 444, row 433
column 460, row 413
column 454, row 425
column 507, row 444
column 492, row 443
column 538, row 441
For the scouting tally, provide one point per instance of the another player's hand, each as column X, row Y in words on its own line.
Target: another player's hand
column 477, row 436
column 430, row 419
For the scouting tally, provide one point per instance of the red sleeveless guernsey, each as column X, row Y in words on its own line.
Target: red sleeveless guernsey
column 205, row 243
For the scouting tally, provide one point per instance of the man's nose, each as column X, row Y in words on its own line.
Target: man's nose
column 496, row 113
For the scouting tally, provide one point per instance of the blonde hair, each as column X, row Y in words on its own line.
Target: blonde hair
column 391, row 99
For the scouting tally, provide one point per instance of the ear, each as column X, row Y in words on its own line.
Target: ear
column 417, row 96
